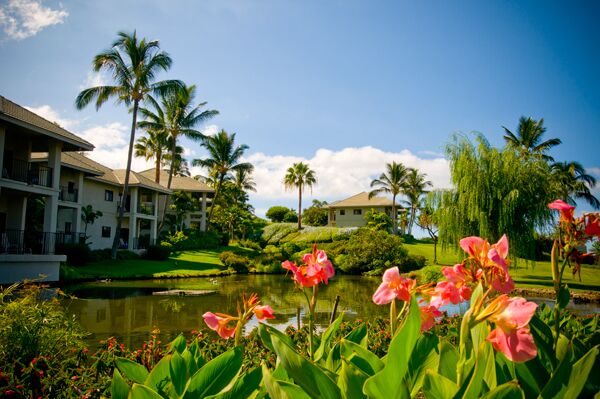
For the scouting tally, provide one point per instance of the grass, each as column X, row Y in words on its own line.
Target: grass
column 196, row 263
column 526, row 274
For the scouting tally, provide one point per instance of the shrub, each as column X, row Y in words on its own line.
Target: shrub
column 277, row 213
column 234, row 261
column 77, row 254
column 273, row 233
column 99, row 255
column 158, row 252
column 290, row 217
column 431, row 274
column 250, row 245
column 411, row 263
column 371, row 250
column 124, row 254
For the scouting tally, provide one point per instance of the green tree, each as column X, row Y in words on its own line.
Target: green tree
column 154, row 145
column 496, row 192
column 299, row 175
column 391, row 182
column 574, row 183
column 243, row 182
column 276, row 213
column 133, row 65
column 223, row 158
column 528, row 139
column 89, row 216
column 316, row 214
column 414, row 188
column 428, row 217
column 181, row 204
column 378, row 220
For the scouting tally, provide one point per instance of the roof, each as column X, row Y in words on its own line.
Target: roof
column 361, row 200
column 179, row 183
column 14, row 113
column 69, row 160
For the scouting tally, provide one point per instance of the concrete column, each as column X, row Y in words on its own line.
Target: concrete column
column 203, row 218
column 77, row 220
column 133, row 222
column 153, row 227
column 54, row 151
column 15, row 213
column 51, row 208
column 155, row 197
column 80, row 189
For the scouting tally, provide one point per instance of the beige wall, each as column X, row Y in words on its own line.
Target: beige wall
column 349, row 219
column 93, row 194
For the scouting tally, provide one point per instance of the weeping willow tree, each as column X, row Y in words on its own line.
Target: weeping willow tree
column 495, row 192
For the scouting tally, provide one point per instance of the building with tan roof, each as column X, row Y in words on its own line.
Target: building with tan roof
column 350, row 212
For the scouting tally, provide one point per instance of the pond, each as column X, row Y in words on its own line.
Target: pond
column 129, row 311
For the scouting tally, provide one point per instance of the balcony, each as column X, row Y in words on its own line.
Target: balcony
column 146, row 208
column 27, row 172
column 66, row 195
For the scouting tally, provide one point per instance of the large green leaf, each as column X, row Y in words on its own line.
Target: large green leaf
column 304, row 373
column 366, row 360
column 437, row 386
column 190, row 362
column 160, row 375
column 424, row 357
column 544, row 341
column 359, row 335
column 389, row 382
column 475, row 384
column 531, row 375
column 580, row 372
column 327, row 337
column 509, row 390
column 178, row 372
column 119, row 389
column 266, row 332
column 244, row 386
column 215, row 375
column 131, row 370
column 448, row 360
column 178, row 344
column 351, row 380
column 281, row 389
column 143, row 392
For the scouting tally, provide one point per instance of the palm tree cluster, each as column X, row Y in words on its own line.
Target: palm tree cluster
column 169, row 112
column 400, row 180
column 299, row 176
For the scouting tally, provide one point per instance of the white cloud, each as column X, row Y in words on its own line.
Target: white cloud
column 210, row 130
column 46, row 111
column 594, row 171
column 21, row 19
column 94, row 79
column 340, row 174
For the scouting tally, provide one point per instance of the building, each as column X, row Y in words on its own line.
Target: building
column 350, row 212
column 200, row 193
column 30, row 192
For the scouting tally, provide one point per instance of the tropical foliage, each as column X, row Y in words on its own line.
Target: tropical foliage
column 391, row 182
column 299, row 176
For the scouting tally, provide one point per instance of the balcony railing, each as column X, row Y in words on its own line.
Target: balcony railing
column 142, row 242
column 36, row 242
column 66, row 195
column 146, row 208
column 27, row 172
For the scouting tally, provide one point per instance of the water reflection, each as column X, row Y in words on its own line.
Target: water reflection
column 129, row 311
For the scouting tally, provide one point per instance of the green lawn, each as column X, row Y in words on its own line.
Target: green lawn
column 196, row 263
column 526, row 274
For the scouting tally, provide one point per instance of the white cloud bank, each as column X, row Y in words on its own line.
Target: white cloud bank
column 47, row 112
column 21, row 19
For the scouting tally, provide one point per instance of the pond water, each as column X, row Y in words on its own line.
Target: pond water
column 129, row 311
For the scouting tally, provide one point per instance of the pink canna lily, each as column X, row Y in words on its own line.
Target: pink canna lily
column 219, row 322
column 316, row 269
column 393, row 286
column 566, row 211
column 428, row 315
column 263, row 312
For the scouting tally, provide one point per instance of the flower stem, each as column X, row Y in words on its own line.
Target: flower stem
column 393, row 317
column 557, row 309
column 311, row 310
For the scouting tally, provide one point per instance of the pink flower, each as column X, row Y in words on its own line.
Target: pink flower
column 316, row 269
column 511, row 335
column 263, row 312
column 393, row 286
column 219, row 323
column 566, row 210
column 492, row 260
column 428, row 315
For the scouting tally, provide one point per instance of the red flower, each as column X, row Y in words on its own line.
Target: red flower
column 592, row 226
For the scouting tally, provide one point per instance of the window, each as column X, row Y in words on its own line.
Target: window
column 108, row 195
column 105, row 231
column 68, row 227
column 71, row 187
column 358, row 211
column 342, row 212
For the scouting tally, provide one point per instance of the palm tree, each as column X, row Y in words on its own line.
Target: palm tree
column 243, row 182
column 133, row 65
column 393, row 183
column 223, row 158
column 574, row 183
column 415, row 186
column 528, row 140
column 180, row 165
column 299, row 175
column 155, row 145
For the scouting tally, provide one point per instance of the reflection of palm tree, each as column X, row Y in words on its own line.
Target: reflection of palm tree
column 415, row 186
column 393, row 183
column 133, row 64
column 299, row 175
column 528, row 139
column 574, row 183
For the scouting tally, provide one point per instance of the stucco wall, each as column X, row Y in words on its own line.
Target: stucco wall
column 93, row 194
column 352, row 220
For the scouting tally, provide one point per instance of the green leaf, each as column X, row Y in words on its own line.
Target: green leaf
column 556, row 387
column 215, row 375
column 131, row 370
column 389, row 382
column 243, row 387
column 509, row 390
column 544, row 341
column 178, row 344
column 190, row 363
column 159, row 375
column 178, row 372
column 143, row 392
column 118, row 387
column 266, row 332
column 424, row 357
column 474, row 385
column 580, row 372
column 564, row 295
column 530, row 375
column 366, row 360
column 358, row 335
column 281, row 389
column 437, row 386
column 308, row 376
column 448, row 360
column 334, row 358
column 326, row 338
column 351, row 380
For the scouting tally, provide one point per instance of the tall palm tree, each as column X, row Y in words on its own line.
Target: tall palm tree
column 299, row 175
column 223, row 158
column 528, row 139
column 415, row 186
column 154, row 145
column 243, row 182
column 133, row 65
column 574, row 183
column 391, row 182
column 180, row 164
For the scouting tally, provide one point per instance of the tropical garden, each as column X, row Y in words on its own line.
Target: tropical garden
column 510, row 209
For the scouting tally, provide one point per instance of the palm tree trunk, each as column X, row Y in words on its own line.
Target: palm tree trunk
column 413, row 212
column 157, row 167
column 394, row 216
column 300, row 207
column 115, row 246
column 212, row 205
column 169, row 181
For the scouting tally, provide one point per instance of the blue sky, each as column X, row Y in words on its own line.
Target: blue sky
column 344, row 85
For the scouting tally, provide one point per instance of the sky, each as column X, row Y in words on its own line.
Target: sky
column 346, row 86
